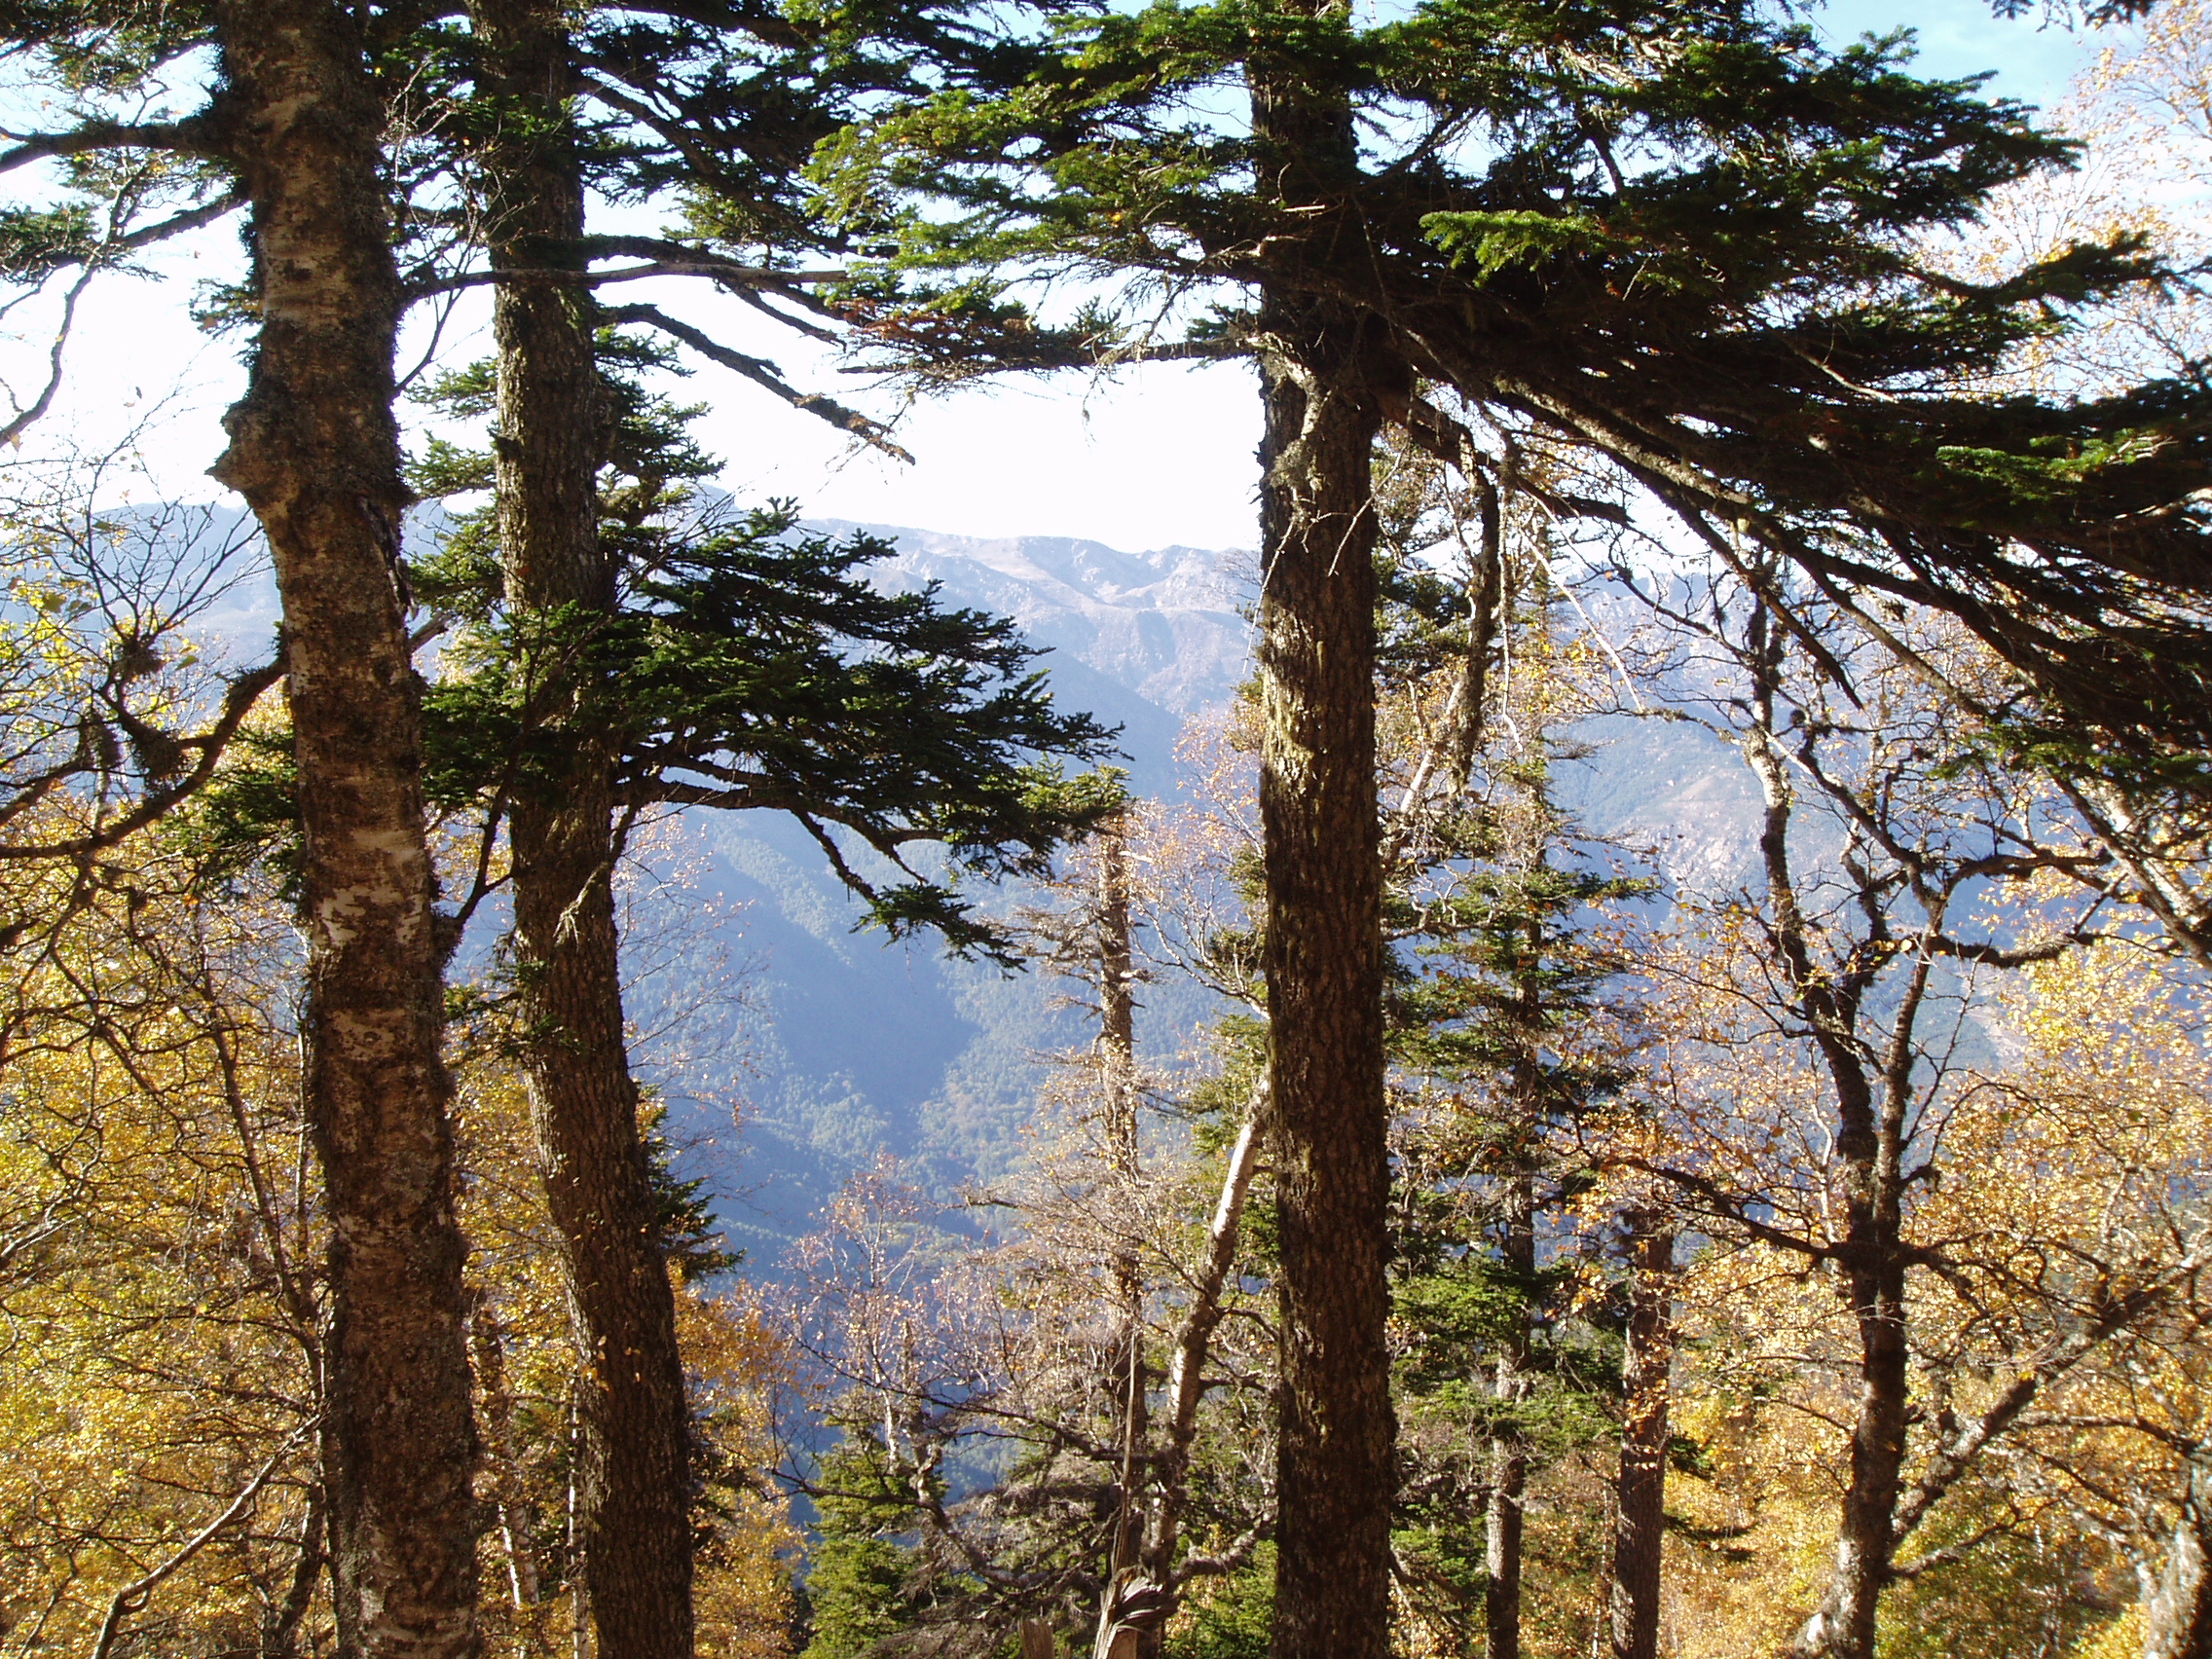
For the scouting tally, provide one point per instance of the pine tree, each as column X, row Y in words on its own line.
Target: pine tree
column 1680, row 236
column 714, row 658
column 1503, row 1024
column 724, row 105
column 860, row 1576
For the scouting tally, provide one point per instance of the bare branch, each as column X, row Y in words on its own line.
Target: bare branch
column 26, row 417
column 193, row 136
column 133, row 1596
column 237, row 703
column 1959, row 1454
column 764, row 373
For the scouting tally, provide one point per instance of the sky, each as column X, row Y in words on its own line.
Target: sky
column 1155, row 456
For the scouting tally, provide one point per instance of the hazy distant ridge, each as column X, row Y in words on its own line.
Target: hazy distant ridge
column 1165, row 624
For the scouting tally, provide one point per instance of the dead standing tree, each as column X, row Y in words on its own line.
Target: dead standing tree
column 1094, row 943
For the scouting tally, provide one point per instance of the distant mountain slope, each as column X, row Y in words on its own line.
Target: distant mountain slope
column 1165, row 624
column 858, row 1046
column 851, row 1046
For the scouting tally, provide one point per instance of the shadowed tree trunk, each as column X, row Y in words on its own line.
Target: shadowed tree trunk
column 1509, row 1453
column 1843, row 1626
column 1525, row 1032
column 1321, row 382
column 1640, row 1511
column 1117, row 1055
column 633, row 1486
column 315, row 453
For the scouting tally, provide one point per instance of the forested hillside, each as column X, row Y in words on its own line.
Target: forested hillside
column 1599, row 1048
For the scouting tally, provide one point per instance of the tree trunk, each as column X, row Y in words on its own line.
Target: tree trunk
column 1508, row 1452
column 2177, row 1622
column 633, row 1490
column 314, row 450
column 1116, row 1054
column 1868, row 1144
column 1843, row 1626
column 1640, row 1510
column 1322, row 377
column 1185, row 1372
column 487, row 1342
column 1117, row 1065
column 280, row 1621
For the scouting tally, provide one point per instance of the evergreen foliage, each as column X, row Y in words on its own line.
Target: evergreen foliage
column 860, row 1573
column 1685, row 237
column 1510, row 1036
column 1689, row 237
column 748, row 664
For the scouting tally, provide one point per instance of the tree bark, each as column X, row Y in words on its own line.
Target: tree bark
column 1641, row 1491
column 1843, row 1626
column 2177, row 1621
column 1321, row 380
column 280, row 1621
column 1117, row 1067
column 1185, row 1372
column 633, row 1488
column 314, row 450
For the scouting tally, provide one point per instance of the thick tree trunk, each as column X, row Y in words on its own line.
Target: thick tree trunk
column 1843, row 1626
column 633, row 1488
column 2177, row 1621
column 315, row 452
column 1325, row 1003
column 1641, row 1507
column 1868, row 1141
column 1322, row 379
column 1508, row 1452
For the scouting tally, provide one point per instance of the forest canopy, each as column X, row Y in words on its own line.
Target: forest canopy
column 1470, row 1192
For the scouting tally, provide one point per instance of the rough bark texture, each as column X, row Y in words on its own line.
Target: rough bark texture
column 633, row 1486
column 1321, row 380
column 1640, row 1510
column 315, row 452
column 1325, row 1007
column 2177, row 1619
